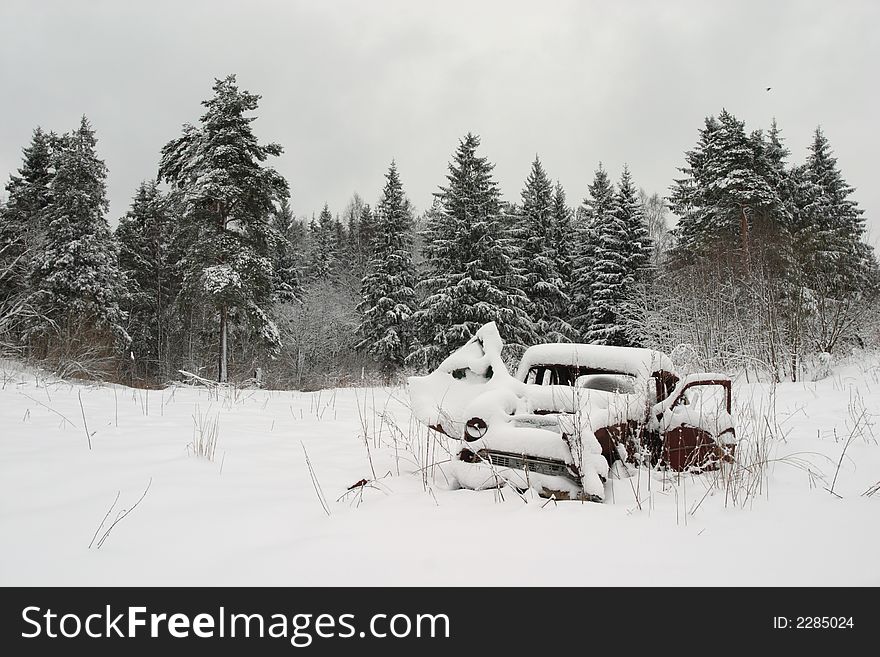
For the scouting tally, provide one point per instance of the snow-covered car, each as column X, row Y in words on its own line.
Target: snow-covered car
column 569, row 413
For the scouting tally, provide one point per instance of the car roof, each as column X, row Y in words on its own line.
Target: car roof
column 633, row 360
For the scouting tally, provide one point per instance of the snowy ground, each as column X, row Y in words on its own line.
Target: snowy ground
column 252, row 515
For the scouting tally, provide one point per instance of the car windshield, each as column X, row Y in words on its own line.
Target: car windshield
column 581, row 377
column 622, row 383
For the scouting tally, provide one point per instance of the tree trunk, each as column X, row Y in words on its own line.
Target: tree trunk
column 744, row 236
column 221, row 368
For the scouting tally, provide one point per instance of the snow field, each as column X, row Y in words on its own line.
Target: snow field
column 797, row 509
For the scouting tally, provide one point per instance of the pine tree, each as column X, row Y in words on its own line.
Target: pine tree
column 776, row 155
column 76, row 283
column 365, row 235
column 593, row 214
column 631, row 211
column 469, row 278
column 288, row 241
column 562, row 235
column 563, row 239
column 687, row 199
column 340, row 241
column 726, row 189
column 610, row 275
column 22, row 232
column 230, row 194
column 388, row 290
column 146, row 258
column 537, row 257
column 826, row 207
column 638, row 250
column 839, row 266
column 323, row 247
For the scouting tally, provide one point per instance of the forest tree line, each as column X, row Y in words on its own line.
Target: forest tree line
column 210, row 271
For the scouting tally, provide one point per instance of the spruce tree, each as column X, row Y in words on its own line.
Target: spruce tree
column 287, row 248
column 230, row 195
column 839, row 267
column 638, row 250
column 727, row 187
column 75, row 281
column 340, row 241
column 364, row 235
column 388, row 297
column 563, row 238
column 687, row 199
column 833, row 218
column 469, row 276
column 594, row 213
column 22, row 232
column 323, row 247
column 146, row 258
column 610, row 276
column 630, row 210
column 776, row 155
column 538, row 259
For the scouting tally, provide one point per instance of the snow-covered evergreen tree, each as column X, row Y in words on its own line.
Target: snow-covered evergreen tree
column 469, row 276
column 776, row 156
column 563, row 236
column 229, row 195
column 75, row 282
column 687, row 194
column 596, row 210
column 147, row 260
column 364, row 235
column 839, row 266
column 22, row 232
column 825, row 207
column 323, row 247
column 726, row 188
column 288, row 242
column 628, row 210
column 610, row 274
column 537, row 258
column 787, row 242
column 340, row 235
column 388, row 290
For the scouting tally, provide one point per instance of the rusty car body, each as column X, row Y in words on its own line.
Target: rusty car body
column 569, row 413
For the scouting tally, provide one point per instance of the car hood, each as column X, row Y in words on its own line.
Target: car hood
column 442, row 398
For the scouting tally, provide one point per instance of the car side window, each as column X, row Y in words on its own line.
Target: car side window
column 541, row 376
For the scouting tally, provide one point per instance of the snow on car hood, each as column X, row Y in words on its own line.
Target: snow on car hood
column 442, row 397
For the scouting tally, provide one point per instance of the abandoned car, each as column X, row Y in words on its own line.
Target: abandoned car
column 570, row 412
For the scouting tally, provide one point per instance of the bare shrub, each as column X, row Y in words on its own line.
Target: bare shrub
column 319, row 341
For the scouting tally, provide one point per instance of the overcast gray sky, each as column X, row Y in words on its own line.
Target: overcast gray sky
column 347, row 86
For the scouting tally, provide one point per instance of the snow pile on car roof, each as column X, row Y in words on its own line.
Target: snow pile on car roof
column 632, row 360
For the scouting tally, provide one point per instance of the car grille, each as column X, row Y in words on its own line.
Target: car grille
column 531, row 464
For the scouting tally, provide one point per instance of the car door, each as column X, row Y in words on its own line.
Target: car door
column 695, row 423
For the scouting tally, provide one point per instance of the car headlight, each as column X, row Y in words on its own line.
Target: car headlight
column 474, row 429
